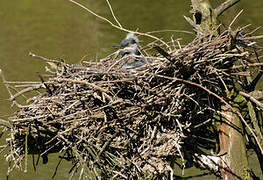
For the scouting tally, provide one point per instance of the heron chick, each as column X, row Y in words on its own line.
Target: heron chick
column 129, row 47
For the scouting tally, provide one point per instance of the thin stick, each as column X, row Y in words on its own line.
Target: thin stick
column 84, row 82
column 242, row 66
column 6, row 123
column 56, row 169
column 26, row 82
column 112, row 13
column 170, row 30
column 251, row 98
column 6, row 86
column 29, row 89
column 235, row 18
column 252, row 32
column 251, row 38
column 115, row 26
column 43, row 58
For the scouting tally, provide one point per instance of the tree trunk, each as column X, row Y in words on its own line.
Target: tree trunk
column 204, row 17
column 232, row 143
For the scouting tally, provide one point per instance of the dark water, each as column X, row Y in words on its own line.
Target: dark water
column 59, row 29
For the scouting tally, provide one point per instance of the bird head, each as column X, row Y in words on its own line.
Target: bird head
column 128, row 41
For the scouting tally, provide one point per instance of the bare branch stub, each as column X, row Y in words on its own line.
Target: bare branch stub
column 224, row 6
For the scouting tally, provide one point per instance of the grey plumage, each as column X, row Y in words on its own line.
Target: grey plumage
column 129, row 47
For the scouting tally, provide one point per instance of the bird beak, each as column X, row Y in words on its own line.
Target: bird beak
column 116, row 46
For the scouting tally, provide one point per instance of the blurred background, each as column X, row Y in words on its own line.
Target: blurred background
column 60, row 29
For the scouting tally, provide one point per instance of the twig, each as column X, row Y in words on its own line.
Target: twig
column 235, row 18
column 250, row 38
column 9, row 91
column 171, row 30
column 24, row 91
column 84, row 82
column 18, row 82
column 56, row 169
column 243, row 66
column 6, row 123
column 252, row 32
column 7, row 88
column 112, row 12
column 43, row 58
column 115, row 26
column 251, row 98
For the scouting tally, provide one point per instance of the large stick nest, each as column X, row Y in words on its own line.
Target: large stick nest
column 113, row 122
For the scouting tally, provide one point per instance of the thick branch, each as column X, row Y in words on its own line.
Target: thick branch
column 224, row 6
column 251, row 98
column 257, row 94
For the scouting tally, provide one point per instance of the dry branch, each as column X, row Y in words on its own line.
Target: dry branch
column 224, row 6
